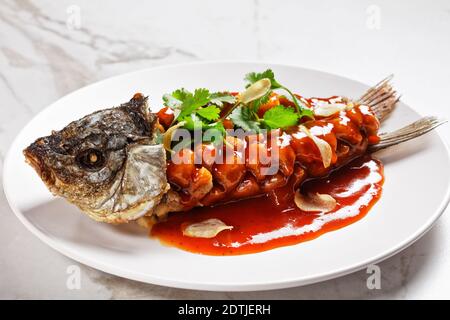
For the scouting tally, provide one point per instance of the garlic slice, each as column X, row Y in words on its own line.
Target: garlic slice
column 324, row 109
column 328, row 109
column 205, row 229
column 167, row 137
column 255, row 91
column 324, row 148
column 314, row 202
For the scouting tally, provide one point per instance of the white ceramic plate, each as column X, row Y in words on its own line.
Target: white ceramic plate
column 415, row 193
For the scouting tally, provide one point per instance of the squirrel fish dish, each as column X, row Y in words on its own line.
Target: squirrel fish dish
column 227, row 173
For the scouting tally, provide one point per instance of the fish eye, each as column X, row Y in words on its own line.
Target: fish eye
column 91, row 159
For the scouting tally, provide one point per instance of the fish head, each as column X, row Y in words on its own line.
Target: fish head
column 107, row 163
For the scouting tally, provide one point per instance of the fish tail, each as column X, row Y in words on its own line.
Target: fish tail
column 411, row 131
column 381, row 98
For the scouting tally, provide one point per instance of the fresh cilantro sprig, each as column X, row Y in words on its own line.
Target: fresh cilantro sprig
column 198, row 110
column 201, row 109
column 210, row 112
column 252, row 77
column 190, row 102
column 274, row 118
column 201, row 103
column 218, row 98
column 245, row 118
column 280, row 117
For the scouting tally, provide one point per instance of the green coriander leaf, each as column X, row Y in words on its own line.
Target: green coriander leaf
column 210, row 112
column 280, row 117
column 181, row 94
column 244, row 118
column 307, row 113
column 218, row 98
column 193, row 122
column 253, row 77
column 202, row 96
column 192, row 102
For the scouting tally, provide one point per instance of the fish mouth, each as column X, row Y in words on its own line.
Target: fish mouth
column 36, row 162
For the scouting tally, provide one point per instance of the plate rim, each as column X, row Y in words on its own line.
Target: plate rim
column 231, row 287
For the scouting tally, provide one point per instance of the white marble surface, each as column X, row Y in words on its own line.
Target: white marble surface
column 41, row 59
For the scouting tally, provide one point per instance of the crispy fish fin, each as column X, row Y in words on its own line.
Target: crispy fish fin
column 411, row 131
column 381, row 98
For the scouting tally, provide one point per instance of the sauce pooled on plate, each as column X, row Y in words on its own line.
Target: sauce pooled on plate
column 273, row 220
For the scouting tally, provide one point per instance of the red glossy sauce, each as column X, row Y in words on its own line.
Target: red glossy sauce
column 266, row 223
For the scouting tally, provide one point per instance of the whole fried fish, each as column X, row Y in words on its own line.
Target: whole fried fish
column 106, row 163
column 109, row 165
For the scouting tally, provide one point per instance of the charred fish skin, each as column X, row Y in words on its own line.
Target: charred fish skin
column 106, row 163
